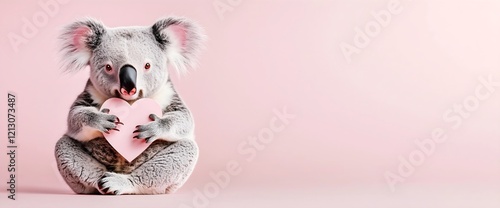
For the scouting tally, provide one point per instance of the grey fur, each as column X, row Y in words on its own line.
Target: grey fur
column 85, row 159
column 194, row 38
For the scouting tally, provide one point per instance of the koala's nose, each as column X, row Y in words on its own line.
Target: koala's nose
column 128, row 77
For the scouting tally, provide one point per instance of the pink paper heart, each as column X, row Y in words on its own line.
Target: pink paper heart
column 130, row 116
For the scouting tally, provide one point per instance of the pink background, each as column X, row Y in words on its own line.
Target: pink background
column 353, row 119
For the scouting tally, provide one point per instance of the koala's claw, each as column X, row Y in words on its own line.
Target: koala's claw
column 153, row 130
column 109, row 129
column 112, row 118
column 147, row 132
column 149, row 139
column 105, row 122
column 114, row 184
column 153, row 117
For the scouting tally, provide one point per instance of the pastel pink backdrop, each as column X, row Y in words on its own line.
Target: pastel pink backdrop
column 352, row 120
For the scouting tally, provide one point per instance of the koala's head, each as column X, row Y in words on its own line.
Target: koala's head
column 130, row 62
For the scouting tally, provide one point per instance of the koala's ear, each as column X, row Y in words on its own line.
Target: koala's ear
column 181, row 40
column 77, row 42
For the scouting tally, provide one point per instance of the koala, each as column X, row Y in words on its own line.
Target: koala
column 128, row 63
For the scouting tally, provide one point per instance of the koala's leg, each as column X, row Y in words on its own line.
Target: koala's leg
column 163, row 173
column 80, row 170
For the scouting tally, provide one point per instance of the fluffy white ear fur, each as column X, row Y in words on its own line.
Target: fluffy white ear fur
column 182, row 40
column 77, row 41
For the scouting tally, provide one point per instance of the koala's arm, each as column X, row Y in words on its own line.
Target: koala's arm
column 175, row 124
column 86, row 122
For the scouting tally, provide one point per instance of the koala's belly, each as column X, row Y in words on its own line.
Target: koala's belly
column 103, row 152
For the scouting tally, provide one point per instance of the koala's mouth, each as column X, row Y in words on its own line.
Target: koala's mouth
column 129, row 98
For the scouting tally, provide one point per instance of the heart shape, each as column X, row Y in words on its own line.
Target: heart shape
column 131, row 116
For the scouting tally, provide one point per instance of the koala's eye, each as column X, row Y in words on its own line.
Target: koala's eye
column 147, row 66
column 108, row 68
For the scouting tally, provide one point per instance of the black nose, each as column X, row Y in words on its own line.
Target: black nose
column 128, row 77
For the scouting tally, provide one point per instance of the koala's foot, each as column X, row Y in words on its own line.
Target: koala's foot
column 115, row 184
column 168, row 170
column 79, row 169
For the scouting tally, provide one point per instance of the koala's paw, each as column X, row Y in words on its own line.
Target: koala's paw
column 105, row 122
column 151, row 131
column 115, row 184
